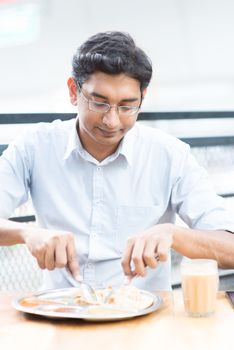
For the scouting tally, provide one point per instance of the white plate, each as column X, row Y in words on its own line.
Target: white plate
column 68, row 309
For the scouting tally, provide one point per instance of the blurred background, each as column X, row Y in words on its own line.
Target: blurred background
column 190, row 44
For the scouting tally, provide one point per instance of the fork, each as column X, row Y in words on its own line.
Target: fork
column 126, row 282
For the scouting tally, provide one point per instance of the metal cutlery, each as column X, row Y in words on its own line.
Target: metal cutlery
column 87, row 290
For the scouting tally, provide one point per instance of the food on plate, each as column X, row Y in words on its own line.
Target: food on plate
column 130, row 298
column 126, row 298
column 33, row 301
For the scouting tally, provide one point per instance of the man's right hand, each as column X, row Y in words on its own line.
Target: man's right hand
column 52, row 249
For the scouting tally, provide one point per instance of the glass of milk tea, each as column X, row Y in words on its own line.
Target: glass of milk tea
column 200, row 281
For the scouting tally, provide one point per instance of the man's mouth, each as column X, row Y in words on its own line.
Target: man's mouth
column 108, row 132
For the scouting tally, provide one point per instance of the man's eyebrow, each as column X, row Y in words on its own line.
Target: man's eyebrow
column 130, row 99
column 95, row 94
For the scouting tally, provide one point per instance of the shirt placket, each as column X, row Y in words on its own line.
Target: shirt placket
column 95, row 228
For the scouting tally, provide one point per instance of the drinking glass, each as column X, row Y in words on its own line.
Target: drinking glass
column 199, row 285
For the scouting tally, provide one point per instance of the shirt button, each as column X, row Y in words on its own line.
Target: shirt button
column 98, row 168
column 89, row 265
column 94, row 235
column 97, row 202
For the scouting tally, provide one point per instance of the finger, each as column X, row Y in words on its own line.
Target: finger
column 61, row 258
column 50, row 256
column 126, row 259
column 162, row 250
column 137, row 256
column 149, row 257
column 72, row 261
column 39, row 254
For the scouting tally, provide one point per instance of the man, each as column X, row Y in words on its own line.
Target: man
column 106, row 190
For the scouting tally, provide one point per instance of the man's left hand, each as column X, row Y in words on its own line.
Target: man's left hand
column 147, row 248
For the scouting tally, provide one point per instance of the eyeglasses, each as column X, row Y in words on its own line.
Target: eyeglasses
column 101, row 107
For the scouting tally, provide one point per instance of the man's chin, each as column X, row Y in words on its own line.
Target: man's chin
column 109, row 136
column 108, row 140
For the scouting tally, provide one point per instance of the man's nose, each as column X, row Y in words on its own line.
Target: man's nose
column 111, row 118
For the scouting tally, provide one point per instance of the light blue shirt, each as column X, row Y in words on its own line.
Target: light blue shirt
column 146, row 181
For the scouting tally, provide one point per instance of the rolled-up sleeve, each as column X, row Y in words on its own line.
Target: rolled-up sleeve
column 14, row 179
column 194, row 198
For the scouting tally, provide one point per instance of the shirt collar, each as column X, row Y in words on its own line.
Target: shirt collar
column 126, row 146
column 73, row 141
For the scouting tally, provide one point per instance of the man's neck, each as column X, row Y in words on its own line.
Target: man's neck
column 101, row 154
column 97, row 151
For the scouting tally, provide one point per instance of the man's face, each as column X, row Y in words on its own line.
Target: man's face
column 105, row 130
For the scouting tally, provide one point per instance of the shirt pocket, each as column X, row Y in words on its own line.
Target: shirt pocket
column 131, row 220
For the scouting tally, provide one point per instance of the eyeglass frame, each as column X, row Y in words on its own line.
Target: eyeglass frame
column 118, row 108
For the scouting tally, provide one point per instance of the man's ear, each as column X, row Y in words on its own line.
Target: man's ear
column 72, row 87
column 144, row 93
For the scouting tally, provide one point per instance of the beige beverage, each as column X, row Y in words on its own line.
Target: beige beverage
column 200, row 286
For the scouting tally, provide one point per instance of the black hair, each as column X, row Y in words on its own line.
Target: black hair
column 112, row 53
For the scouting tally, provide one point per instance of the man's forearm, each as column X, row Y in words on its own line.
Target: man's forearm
column 11, row 232
column 218, row 245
